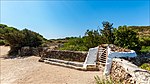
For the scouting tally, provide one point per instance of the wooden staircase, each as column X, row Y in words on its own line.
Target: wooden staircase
column 101, row 57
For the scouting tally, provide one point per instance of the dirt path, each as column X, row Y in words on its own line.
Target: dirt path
column 30, row 71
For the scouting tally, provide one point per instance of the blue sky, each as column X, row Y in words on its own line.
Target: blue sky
column 59, row 19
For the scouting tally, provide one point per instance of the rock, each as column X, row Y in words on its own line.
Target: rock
column 133, row 74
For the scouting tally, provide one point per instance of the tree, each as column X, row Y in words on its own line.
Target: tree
column 92, row 38
column 124, row 37
column 18, row 39
column 15, row 40
column 3, row 25
column 31, row 38
column 107, row 32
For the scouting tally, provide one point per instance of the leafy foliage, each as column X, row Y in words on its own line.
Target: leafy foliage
column 2, row 42
column 145, row 66
column 145, row 49
column 3, row 25
column 124, row 37
column 75, row 44
column 18, row 39
column 31, row 38
column 92, row 38
column 145, row 41
column 107, row 32
column 144, row 36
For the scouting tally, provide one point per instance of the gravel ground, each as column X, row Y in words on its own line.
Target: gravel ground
column 29, row 71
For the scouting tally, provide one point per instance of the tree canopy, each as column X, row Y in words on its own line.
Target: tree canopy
column 20, row 38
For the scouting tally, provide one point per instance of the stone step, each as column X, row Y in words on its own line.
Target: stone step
column 92, row 68
column 64, row 65
column 100, row 50
column 103, row 64
column 103, row 53
column 102, row 61
column 104, row 57
column 78, row 64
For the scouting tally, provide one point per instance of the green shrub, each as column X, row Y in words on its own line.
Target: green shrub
column 18, row 39
column 75, row 44
column 145, row 41
column 31, row 38
column 6, row 43
column 2, row 42
column 124, row 37
column 145, row 49
column 145, row 66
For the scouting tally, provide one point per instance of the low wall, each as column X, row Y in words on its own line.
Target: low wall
column 139, row 60
column 28, row 51
column 45, row 52
column 128, row 73
column 65, row 55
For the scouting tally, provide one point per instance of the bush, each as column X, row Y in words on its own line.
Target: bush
column 145, row 66
column 91, row 39
column 124, row 37
column 145, row 49
column 31, row 38
column 18, row 39
column 75, row 44
column 2, row 42
column 145, row 41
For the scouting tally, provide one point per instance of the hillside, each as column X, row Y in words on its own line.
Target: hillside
column 143, row 31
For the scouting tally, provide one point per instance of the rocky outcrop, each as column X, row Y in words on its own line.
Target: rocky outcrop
column 128, row 73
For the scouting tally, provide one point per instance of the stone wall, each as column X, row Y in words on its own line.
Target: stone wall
column 128, row 73
column 139, row 60
column 28, row 51
column 65, row 55
column 45, row 52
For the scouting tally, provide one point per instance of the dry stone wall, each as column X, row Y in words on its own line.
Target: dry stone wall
column 65, row 55
column 45, row 52
column 28, row 51
column 128, row 73
column 139, row 60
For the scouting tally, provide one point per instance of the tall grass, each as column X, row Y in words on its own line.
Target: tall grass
column 106, row 80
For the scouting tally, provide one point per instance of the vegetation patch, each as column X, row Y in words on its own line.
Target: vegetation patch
column 145, row 66
column 19, row 38
column 105, row 80
column 123, row 36
column 145, row 49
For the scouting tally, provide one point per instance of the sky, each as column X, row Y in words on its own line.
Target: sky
column 65, row 18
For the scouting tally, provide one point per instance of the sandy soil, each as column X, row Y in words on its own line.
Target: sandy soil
column 30, row 71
